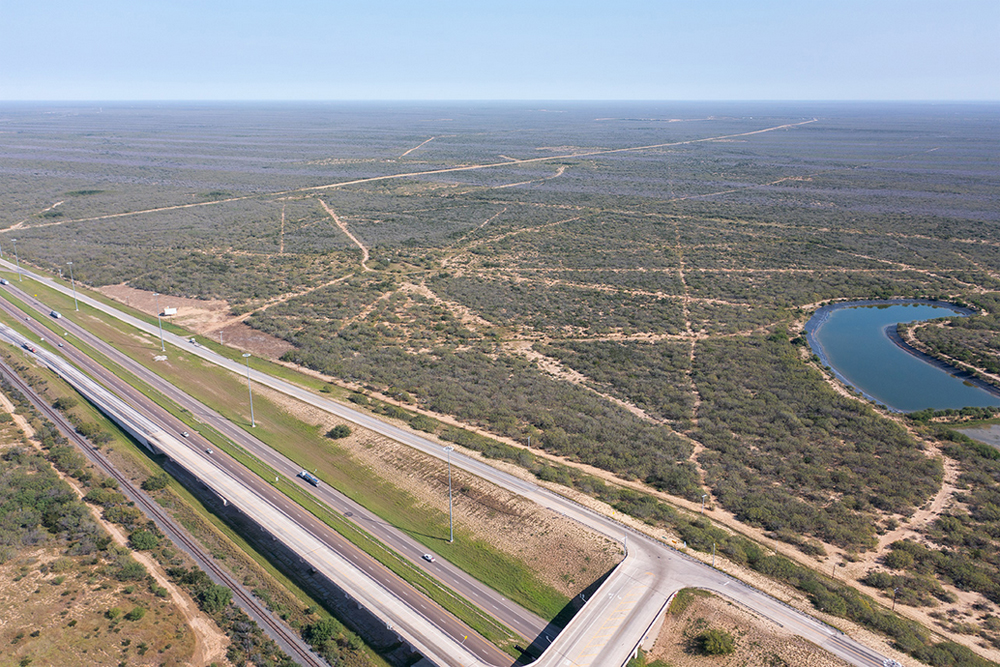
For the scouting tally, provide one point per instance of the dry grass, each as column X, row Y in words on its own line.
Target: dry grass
column 759, row 643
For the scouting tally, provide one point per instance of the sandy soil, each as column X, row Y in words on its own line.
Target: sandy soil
column 210, row 643
column 759, row 642
column 206, row 317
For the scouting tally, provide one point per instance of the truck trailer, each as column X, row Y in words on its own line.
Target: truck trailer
column 309, row 478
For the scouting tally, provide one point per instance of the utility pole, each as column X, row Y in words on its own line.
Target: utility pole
column 73, row 282
column 159, row 322
column 713, row 554
column 451, row 515
column 246, row 355
column 18, row 261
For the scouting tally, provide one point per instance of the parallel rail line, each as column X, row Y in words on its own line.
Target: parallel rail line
column 277, row 630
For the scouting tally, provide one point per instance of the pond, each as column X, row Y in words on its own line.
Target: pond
column 858, row 341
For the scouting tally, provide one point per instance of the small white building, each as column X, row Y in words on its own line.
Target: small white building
column 170, row 310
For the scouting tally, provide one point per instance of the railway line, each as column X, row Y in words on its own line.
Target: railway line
column 387, row 599
column 277, row 630
column 613, row 623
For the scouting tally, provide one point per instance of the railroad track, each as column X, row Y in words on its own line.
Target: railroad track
column 277, row 630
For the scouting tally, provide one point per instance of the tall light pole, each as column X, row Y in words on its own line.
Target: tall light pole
column 451, row 516
column 246, row 355
column 895, row 592
column 703, row 496
column 159, row 322
column 73, row 282
column 18, row 260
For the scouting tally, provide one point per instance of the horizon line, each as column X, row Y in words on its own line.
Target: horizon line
column 502, row 100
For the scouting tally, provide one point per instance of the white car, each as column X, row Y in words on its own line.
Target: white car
column 429, row 558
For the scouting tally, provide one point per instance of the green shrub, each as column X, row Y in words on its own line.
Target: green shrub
column 155, row 482
column 716, row 642
column 136, row 614
column 143, row 540
column 339, row 431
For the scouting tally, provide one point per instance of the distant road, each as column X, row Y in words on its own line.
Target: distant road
column 616, row 618
column 415, row 174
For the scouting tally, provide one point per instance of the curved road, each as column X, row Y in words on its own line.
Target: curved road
column 616, row 618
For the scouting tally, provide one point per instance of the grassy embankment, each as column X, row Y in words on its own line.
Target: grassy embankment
column 303, row 443
column 247, row 563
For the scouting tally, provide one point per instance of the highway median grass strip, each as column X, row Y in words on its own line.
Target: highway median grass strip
column 289, row 436
column 192, row 514
column 485, row 625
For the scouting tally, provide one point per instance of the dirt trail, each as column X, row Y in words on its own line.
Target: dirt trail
column 911, row 339
column 922, row 517
column 347, row 232
column 556, row 369
column 281, row 244
column 416, row 147
column 430, row 172
column 559, row 172
column 210, row 643
column 460, row 312
column 491, row 219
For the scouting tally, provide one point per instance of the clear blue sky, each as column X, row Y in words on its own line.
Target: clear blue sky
column 499, row 49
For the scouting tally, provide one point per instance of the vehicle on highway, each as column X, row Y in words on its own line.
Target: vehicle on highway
column 185, row 433
column 29, row 348
column 56, row 314
column 309, row 478
column 4, row 281
column 209, row 451
column 429, row 558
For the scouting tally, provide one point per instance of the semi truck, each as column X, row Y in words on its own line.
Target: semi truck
column 309, row 478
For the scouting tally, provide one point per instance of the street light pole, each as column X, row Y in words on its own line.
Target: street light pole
column 703, row 496
column 159, row 322
column 451, row 513
column 246, row 355
column 73, row 282
column 895, row 591
column 18, row 260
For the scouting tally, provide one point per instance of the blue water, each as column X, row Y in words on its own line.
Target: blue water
column 852, row 341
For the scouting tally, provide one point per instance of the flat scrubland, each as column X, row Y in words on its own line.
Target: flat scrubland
column 638, row 311
column 73, row 591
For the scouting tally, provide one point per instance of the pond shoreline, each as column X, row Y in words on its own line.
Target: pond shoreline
column 821, row 314
column 892, row 333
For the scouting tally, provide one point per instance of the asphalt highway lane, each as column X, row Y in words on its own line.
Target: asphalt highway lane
column 515, row 617
column 472, row 642
column 625, row 618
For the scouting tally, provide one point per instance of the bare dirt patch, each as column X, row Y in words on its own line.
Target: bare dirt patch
column 759, row 642
column 211, row 317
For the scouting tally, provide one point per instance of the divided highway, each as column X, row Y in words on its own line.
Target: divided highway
column 614, row 621
column 428, row 628
column 508, row 613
